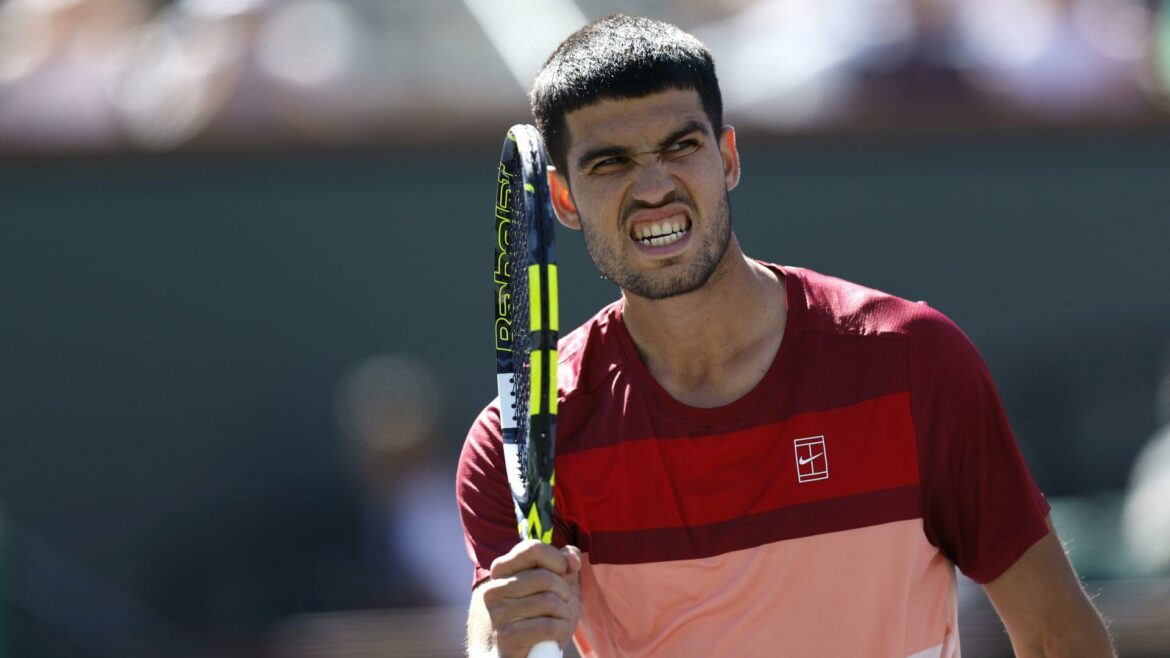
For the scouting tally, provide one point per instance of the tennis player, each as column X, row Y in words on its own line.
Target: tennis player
column 752, row 459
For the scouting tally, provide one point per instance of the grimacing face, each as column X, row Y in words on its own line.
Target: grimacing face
column 649, row 182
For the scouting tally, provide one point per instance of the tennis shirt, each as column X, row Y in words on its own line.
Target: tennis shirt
column 821, row 514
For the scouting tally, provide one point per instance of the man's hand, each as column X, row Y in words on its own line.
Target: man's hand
column 533, row 596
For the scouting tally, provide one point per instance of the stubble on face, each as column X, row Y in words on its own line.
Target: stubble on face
column 668, row 281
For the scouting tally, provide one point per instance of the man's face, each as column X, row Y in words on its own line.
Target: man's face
column 649, row 182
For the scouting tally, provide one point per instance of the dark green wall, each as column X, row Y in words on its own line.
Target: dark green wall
column 173, row 328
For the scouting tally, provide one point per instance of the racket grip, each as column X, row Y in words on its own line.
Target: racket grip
column 546, row 649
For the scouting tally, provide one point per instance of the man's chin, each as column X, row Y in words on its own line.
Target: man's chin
column 664, row 285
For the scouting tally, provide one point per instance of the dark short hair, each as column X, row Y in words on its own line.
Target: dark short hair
column 619, row 56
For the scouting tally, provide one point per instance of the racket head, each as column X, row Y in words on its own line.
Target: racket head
column 526, row 327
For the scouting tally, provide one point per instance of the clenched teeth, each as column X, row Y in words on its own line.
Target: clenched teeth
column 665, row 239
column 660, row 233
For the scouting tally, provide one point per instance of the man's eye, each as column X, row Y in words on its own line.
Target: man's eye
column 682, row 147
column 608, row 164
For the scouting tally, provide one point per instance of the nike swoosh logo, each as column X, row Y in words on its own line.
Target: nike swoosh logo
column 804, row 461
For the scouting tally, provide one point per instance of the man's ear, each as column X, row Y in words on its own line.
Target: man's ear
column 562, row 201
column 730, row 155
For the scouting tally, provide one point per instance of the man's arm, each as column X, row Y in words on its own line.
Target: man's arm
column 532, row 596
column 1044, row 608
column 481, row 637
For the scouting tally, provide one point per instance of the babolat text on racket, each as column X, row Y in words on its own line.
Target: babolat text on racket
column 526, row 326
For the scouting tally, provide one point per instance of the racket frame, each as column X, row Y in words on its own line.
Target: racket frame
column 522, row 198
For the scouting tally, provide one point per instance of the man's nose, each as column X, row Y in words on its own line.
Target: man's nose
column 653, row 182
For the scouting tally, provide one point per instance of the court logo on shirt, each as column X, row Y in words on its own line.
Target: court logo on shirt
column 812, row 460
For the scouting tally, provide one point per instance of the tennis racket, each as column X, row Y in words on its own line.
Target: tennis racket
column 526, row 326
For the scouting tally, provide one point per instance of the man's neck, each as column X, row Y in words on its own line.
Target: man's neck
column 710, row 347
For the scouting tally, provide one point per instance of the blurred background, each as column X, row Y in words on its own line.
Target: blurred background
column 243, row 259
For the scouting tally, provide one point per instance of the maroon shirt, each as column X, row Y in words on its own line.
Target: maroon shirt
column 876, row 412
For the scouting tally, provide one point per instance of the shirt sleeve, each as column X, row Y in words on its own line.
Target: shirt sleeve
column 981, row 507
column 481, row 490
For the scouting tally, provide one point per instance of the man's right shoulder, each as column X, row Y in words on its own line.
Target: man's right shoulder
column 588, row 355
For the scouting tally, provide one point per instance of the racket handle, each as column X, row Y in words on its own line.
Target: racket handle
column 546, row 649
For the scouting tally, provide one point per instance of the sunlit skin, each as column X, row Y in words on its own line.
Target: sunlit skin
column 706, row 319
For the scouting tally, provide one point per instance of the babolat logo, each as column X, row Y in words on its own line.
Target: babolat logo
column 503, row 273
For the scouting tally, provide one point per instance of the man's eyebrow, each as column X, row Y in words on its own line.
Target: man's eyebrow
column 601, row 152
column 694, row 125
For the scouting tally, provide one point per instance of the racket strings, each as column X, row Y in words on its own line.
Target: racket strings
column 518, row 254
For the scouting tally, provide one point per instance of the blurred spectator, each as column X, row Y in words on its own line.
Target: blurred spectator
column 1063, row 59
column 192, row 69
column 799, row 63
column 388, row 406
column 1146, row 517
column 914, row 74
column 56, row 59
column 316, row 56
column 782, row 62
column 99, row 73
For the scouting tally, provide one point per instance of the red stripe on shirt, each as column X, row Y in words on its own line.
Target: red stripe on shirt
column 687, row 482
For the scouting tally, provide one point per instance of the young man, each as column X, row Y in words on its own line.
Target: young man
column 752, row 460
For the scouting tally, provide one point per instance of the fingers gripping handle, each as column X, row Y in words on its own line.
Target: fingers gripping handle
column 546, row 649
